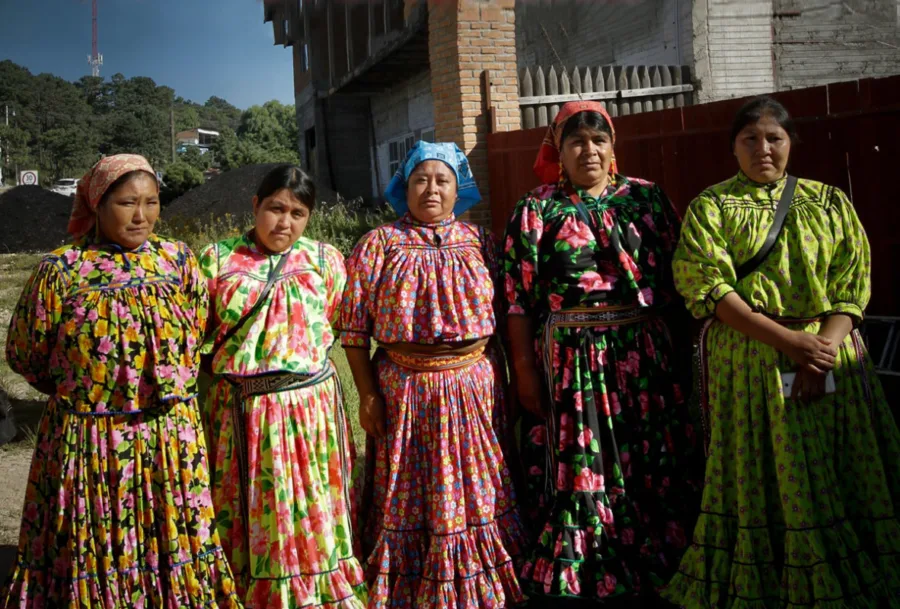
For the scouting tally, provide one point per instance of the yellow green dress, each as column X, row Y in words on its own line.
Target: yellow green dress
column 798, row 508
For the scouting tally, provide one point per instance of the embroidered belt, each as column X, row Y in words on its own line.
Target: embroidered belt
column 276, row 383
column 578, row 317
column 436, row 363
column 592, row 316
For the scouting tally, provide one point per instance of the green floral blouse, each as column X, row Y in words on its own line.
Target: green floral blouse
column 819, row 264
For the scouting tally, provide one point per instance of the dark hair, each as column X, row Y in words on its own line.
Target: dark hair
column 759, row 107
column 294, row 179
column 587, row 119
column 120, row 181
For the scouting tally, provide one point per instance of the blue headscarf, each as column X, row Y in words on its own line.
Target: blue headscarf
column 426, row 151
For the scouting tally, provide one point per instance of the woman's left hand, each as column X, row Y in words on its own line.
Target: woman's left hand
column 808, row 385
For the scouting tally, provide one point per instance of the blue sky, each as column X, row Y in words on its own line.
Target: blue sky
column 200, row 48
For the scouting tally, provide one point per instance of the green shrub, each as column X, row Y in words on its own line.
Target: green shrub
column 180, row 177
column 338, row 224
column 342, row 226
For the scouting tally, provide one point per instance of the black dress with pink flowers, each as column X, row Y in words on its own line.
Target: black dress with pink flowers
column 614, row 492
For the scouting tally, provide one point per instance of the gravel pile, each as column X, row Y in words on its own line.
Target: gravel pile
column 33, row 219
column 229, row 193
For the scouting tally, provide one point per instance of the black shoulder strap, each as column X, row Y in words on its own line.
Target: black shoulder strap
column 273, row 277
column 781, row 211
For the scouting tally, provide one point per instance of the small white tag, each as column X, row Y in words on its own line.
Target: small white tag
column 788, row 378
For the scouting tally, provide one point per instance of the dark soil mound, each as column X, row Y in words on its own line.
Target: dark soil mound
column 229, row 193
column 33, row 219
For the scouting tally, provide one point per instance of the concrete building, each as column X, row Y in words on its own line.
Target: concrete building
column 197, row 138
column 373, row 76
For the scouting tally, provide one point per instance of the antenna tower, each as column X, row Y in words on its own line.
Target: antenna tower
column 95, row 58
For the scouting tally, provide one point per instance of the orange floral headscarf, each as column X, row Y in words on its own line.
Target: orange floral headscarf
column 94, row 185
column 547, row 167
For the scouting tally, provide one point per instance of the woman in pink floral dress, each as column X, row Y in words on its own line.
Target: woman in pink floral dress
column 118, row 510
column 279, row 448
column 443, row 530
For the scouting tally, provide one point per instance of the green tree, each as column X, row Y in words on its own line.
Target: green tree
column 218, row 115
column 141, row 130
column 16, row 151
column 226, row 150
column 196, row 159
column 272, row 125
column 187, row 115
column 67, row 152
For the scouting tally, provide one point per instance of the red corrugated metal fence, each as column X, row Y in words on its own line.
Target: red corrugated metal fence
column 850, row 134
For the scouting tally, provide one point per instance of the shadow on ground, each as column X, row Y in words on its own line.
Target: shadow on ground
column 27, row 415
column 7, row 558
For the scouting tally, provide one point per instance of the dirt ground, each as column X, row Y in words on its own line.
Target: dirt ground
column 15, row 457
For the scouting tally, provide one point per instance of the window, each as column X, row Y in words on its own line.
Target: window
column 397, row 150
column 427, row 135
column 304, row 58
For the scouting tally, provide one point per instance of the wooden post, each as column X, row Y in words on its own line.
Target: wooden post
column 489, row 106
column 666, row 74
column 526, row 88
column 540, row 90
column 553, row 89
column 172, row 129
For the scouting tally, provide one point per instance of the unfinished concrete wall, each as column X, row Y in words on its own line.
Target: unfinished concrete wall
column 407, row 109
column 603, row 32
column 732, row 45
column 348, row 148
column 822, row 41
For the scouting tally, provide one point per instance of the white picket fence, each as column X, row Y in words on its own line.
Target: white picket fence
column 622, row 90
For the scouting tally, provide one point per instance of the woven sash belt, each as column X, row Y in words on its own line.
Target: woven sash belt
column 436, row 363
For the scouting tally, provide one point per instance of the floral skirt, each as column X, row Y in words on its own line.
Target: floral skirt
column 117, row 514
column 288, row 536
column 799, row 508
column 613, row 473
column 443, row 530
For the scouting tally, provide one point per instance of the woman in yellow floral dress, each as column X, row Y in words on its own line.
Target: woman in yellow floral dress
column 118, row 511
column 802, row 481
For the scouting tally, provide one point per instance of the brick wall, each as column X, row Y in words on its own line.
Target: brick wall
column 467, row 38
column 599, row 33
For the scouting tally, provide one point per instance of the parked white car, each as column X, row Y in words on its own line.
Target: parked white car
column 65, row 186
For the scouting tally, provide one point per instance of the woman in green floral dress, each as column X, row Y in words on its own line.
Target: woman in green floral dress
column 279, row 449
column 801, row 483
column 612, row 474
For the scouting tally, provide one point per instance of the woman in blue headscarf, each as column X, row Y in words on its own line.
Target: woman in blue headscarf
column 442, row 529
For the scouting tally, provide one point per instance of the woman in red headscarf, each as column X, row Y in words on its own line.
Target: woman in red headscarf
column 611, row 463
column 118, row 510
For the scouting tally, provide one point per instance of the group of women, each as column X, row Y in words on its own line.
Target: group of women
column 143, row 493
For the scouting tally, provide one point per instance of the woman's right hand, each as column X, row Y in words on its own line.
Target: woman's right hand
column 810, row 351
column 371, row 415
column 530, row 389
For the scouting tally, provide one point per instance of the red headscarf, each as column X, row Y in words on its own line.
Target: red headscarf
column 94, row 185
column 547, row 166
